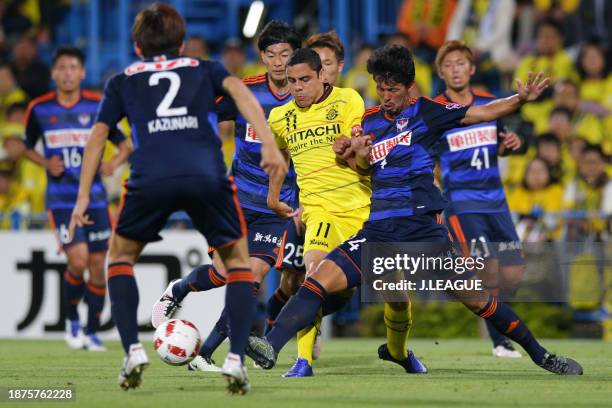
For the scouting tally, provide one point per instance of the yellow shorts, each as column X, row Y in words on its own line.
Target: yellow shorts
column 326, row 230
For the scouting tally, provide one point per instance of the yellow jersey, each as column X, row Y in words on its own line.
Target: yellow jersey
column 309, row 134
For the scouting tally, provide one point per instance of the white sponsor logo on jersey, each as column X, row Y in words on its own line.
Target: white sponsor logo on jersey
column 250, row 135
column 472, row 137
column 59, row 138
column 381, row 149
column 152, row 66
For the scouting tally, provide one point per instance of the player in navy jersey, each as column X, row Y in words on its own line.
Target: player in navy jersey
column 177, row 164
column 276, row 43
column 405, row 204
column 477, row 214
column 63, row 120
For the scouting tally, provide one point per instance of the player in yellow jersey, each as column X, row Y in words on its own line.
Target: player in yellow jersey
column 335, row 198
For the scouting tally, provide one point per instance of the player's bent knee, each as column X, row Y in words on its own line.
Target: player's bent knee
column 512, row 276
column 260, row 269
column 330, row 276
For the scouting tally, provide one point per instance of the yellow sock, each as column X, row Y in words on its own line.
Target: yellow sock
column 306, row 339
column 398, row 324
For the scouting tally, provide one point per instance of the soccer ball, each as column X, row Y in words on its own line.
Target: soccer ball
column 177, row 342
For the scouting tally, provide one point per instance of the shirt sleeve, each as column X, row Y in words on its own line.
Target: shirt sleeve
column 116, row 136
column 441, row 116
column 226, row 108
column 355, row 109
column 217, row 74
column 32, row 128
column 111, row 108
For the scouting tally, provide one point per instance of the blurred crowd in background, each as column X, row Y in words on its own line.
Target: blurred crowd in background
column 558, row 185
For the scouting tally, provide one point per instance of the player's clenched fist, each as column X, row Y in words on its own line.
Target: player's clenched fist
column 342, row 147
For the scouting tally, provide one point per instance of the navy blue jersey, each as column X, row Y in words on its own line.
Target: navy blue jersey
column 170, row 104
column 250, row 178
column 402, row 166
column 468, row 161
column 64, row 131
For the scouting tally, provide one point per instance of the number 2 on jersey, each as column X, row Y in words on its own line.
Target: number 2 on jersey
column 164, row 109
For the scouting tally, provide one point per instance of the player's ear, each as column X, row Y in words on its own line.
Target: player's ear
column 138, row 51
column 340, row 66
column 473, row 69
column 182, row 48
column 411, row 86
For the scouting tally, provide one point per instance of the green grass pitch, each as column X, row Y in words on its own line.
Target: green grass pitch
column 349, row 374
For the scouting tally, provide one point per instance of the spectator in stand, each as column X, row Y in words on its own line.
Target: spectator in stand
column 537, row 202
column 10, row 92
column 14, row 206
column 425, row 23
column 548, row 148
column 590, row 193
column 359, row 79
column 487, row 29
column 32, row 75
column 196, row 47
column 562, row 12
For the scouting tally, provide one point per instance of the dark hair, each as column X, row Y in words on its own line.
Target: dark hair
column 562, row 111
column 306, row 56
column 15, row 107
column 547, row 138
column 548, row 169
column 605, row 53
column 392, row 63
column 593, row 148
column 158, row 29
column 68, row 51
column 327, row 40
column 552, row 23
column 277, row 32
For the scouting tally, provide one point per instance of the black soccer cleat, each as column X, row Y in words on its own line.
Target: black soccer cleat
column 561, row 365
column 261, row 351
column 412, row 365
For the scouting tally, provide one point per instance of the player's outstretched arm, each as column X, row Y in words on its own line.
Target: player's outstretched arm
column 530, row 91
column 271, row 159
column 91, row 162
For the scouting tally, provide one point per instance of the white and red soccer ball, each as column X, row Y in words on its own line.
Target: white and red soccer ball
column 177, row 342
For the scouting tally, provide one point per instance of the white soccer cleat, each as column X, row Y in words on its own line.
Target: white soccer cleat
column 200, row 363
column 506, row 351
column 93, row 343
column 74, row 334
column 316, row 350
column 166, row 307
column 133, row 366
column 235, row 374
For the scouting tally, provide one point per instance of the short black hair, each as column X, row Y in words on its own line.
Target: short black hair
column 392, row 63
column 552, row 23
column 277, row 32
column 306, row 56
column 594, row 148
column 158, row 29
column 68, row 51
column 15, row 107
column 562, row 111
column 547, row 138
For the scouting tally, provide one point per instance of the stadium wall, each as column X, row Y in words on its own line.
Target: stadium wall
column 32, row 269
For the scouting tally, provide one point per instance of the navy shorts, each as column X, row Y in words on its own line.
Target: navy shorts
column 487, row 235
column 424, row 229
column 264, row 235
column 210, row 201
column 95, row 235
column 291, row 255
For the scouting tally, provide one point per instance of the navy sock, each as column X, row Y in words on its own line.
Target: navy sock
column 274, row 306
column 123, row 294
column 508, row 323
column 494, row 334
column 204, row 277
column 94, row 297
column 74, row 288
column 220, row 331
column 240, row 307
column 333, row 303
column 298, row 313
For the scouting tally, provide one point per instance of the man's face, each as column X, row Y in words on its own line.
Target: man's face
column 234, row 59
column 331, row 66
column 195, row 48
column 393, row 96
column 566, row 96
column 548, row 40
column 456, row 70
column 305, row 84
column 591, row 166
column 68, row 73
column 275, row 59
